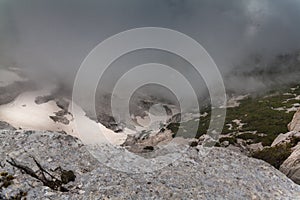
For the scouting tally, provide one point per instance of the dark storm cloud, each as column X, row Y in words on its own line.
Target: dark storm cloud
column 56, row 35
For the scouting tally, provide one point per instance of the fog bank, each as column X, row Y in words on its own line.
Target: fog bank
column 242, row 36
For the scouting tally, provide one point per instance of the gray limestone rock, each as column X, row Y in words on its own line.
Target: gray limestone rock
column 199, row 173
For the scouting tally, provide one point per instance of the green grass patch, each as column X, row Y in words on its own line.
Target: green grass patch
column 256, row 113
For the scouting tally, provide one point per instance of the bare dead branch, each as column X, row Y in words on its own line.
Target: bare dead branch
column 53, row 183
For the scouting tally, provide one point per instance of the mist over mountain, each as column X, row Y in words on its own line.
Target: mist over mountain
column 242, row 36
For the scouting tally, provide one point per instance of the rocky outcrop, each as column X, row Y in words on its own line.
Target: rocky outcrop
column 295, row 123
column 10, row 92
column 6, row 126
column 199, row 173
column 286, row 138
column 143, row 143
column 291, row 166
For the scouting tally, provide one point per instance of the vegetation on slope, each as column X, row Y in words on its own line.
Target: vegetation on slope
column 262, row 118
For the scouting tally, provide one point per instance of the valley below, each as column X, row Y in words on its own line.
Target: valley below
column 51, row 148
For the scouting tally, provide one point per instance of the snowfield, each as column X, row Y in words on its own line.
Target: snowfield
column 25, row 114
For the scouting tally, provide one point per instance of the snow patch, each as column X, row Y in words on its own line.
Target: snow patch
column 25, row 114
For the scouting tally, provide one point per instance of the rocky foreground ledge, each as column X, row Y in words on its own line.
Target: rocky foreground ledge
column 221, row 174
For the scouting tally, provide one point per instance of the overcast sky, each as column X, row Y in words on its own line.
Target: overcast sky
column 56, row 35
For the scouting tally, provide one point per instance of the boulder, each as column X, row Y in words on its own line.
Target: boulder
column 294, row 125
column 199, row 173
column 291, row 166
column 285, row 138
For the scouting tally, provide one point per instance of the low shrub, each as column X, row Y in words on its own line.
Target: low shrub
column 274, row 155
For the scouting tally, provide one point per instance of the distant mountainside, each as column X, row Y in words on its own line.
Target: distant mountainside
column 260, row 125
column 264, row 74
